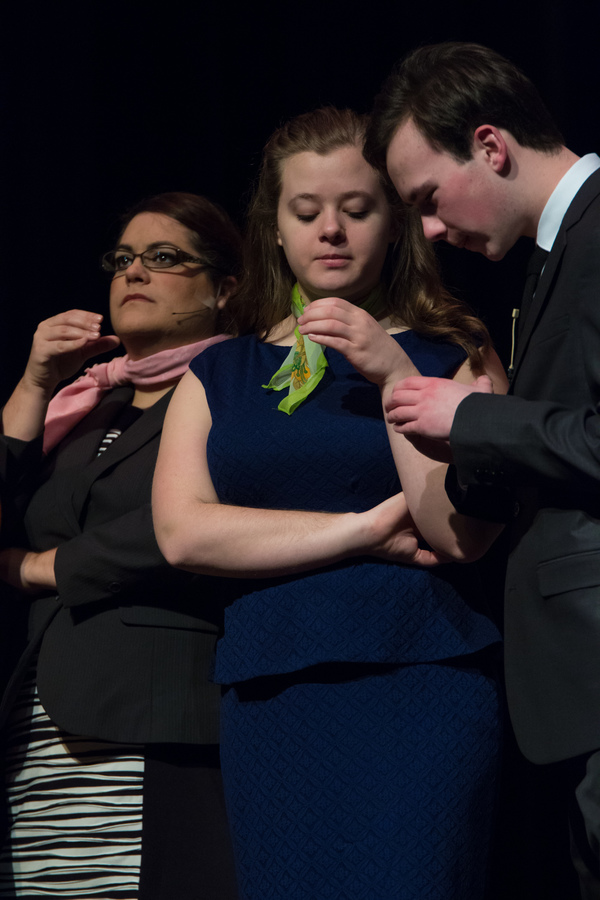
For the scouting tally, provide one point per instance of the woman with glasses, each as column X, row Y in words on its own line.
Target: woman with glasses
column 359, row 722
column 112, row 769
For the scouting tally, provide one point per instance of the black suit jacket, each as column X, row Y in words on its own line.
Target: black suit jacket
column 126, row 647
column 541, row 443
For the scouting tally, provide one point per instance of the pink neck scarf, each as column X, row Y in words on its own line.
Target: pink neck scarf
column 76, row 400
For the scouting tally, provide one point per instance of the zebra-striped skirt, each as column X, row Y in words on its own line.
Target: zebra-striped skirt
column 75, row 810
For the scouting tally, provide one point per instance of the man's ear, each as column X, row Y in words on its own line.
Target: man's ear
column 489, row 142
column 227, row 287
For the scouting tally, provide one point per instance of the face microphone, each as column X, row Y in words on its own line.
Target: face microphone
column 210, row 303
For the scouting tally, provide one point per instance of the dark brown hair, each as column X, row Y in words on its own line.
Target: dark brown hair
column 449, row 90
column 415, row 294
column 213, row 235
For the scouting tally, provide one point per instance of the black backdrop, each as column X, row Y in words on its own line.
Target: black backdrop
column 107, row 103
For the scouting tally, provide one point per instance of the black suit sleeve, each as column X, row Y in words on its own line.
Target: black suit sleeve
column 493, row 504
column 515, row 440
column 18, row 460
column 18, row 457
column 120, row 559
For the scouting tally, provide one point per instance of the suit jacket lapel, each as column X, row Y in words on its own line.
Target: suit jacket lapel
column 78, row 450
column 143, row 430
column 586, row 194
column 80, row 446
column 138, row 434
column 538, row 302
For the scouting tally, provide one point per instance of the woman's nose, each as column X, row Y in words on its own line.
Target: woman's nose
column 332, row 229
column 137, row 271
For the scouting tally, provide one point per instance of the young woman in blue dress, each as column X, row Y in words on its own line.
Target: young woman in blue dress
column 360, row 722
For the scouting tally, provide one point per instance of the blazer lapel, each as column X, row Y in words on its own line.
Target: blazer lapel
column 80, row 446
column 143, row 430
column 78, row 450
column 136, row 436
column 586, row 194
column 539, row 299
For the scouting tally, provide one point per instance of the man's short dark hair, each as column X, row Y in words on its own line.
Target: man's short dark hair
column 448, row 90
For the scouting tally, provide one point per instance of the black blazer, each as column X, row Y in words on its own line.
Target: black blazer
column 542, row 443
column 125, row 649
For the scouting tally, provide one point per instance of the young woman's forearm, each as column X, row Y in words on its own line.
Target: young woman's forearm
column 240, row 542
column 462, row 538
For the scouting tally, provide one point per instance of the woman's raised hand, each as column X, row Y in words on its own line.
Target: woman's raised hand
column 353, row 332
column 62, row 344
column 60, row 347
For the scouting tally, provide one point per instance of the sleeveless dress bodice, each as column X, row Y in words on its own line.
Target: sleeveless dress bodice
column 332, row 454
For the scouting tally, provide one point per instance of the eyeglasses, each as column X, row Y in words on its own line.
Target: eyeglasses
column 153, row 258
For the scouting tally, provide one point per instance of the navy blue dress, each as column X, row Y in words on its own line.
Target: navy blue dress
column 360, row 730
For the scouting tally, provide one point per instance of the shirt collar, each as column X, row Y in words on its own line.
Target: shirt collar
column 561, row 198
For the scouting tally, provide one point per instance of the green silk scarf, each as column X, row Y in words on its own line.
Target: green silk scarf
column 305, row 364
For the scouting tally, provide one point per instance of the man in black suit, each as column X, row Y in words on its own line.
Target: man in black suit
column 468, row 142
